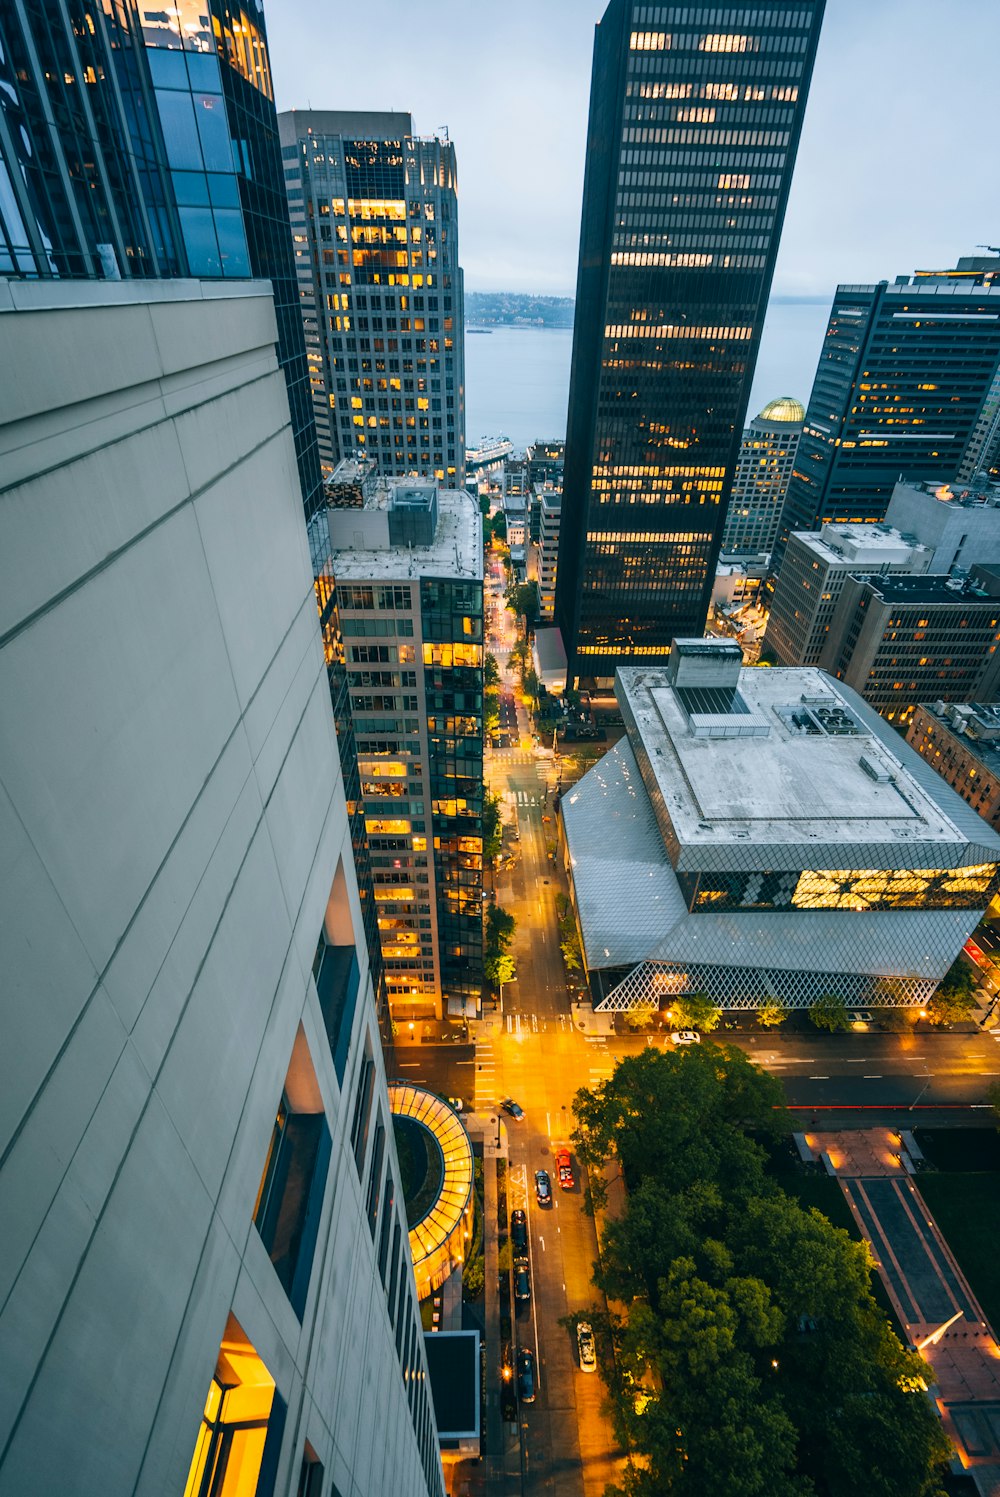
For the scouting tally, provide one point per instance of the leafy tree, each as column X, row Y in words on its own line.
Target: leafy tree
column 492, row 827
column 771, row 1012
column 499, row 526
column 491, row 671
column 571, row 954
column 830, row 1013
column 484, row 509
column 695, row 1011
column 637, row 1018
column 522, row 599
column 530, row 682
column 752, row 1358
column 499, row 968
column 491, row 709
column 955, row 998
column 500, row 927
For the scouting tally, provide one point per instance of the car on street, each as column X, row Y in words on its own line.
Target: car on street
column 526, row 1375
column 586, row 1347
column 519, row 1231
column 564, row 1165
column 543, row 1188
column 512, row 1109
column 685, row 1037
column 522, row 1279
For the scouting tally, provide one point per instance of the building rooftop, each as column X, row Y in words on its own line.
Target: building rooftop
column 456, row 551
column 866, row 545
column 793, row 769
column 786, row 409
column 929, row 591
column 977, row 724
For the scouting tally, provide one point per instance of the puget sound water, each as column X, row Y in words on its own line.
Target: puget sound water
column 517, row 379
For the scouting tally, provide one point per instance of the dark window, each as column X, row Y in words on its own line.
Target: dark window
column 310, row 1474
column 338, row 980
column 291, row 1197
column 362, row 1111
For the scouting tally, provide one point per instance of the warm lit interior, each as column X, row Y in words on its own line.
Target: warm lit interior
column 230, row 1446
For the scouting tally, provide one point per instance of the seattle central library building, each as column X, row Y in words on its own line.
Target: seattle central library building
column 763, row 834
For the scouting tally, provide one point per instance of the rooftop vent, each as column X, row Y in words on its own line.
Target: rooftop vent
column 875, row 770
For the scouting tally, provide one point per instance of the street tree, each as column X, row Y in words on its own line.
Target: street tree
column 499, row 968
column 771, row 1012
column 695, row 1011
column 492, row 826
column 500, row 927
column 830, row 1012
column 522, row 599
column 491, row 671
column 955, row 998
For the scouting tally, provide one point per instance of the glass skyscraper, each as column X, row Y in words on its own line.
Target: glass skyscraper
column 374, row 211
column 905, row 373
column 143, row 142
column 695, row 115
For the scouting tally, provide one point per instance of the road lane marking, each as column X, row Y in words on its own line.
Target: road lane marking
column 411, row 1065
column 874, row 1077
column 548, row 1124
column 819, row 1078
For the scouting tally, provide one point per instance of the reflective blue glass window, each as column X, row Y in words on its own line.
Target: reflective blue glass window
column 190, row 189
column 223, row 191
column 167, row 68
column 213, row 127
column 199, row 241
column 232, row 242
column 179, row 130
column 203, row 70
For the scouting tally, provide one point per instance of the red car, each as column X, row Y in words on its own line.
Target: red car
column 565, row 1167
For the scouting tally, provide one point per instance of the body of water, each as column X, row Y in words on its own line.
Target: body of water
column 517, row 379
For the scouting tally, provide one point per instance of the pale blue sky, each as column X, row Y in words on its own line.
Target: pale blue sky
column 897, row 167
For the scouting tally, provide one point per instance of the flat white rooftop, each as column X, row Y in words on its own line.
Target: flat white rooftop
column 456, row 551
column 802, row 783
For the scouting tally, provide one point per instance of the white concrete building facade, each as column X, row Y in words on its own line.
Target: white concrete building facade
column 205, row 1278
column 762, row 834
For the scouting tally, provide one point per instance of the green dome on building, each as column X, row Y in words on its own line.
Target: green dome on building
column 785, row 408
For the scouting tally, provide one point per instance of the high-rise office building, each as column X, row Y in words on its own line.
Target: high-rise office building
column 812, row 578
column 899, row 641
column 767, row 456
column 406, row 578
column 374, row 214
column 143, row 142
column 903, row 377
column 695, row 115
column 206, row 1279
column 543, row 553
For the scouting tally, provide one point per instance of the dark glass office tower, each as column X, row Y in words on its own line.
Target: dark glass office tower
column 905, row 374
column 143, row 142
column 695, row 115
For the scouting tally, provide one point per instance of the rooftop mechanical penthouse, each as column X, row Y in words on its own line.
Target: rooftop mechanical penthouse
column 763, row 834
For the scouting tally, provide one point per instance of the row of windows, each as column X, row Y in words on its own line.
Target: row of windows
column 702, row 137
column 685, row 15
column 724, row 92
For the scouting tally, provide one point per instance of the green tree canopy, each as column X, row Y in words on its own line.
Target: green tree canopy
column 830, row 1012
column 694, row 1011
column 499, row 968
column 955, row 998
column 500, row 927
column 752, row 1358
column 491, row 671
column 771, row 1012
column 522, row 599
column 492, row 827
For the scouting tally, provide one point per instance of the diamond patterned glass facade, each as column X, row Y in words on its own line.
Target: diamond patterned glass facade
column 695, row 116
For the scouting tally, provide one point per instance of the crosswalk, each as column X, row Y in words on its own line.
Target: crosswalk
column 512, row 756
column 526, row 798
column 486, row 1076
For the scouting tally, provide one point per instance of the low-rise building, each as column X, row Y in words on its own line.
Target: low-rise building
column 543, row 552
column 407, row 575
column 812, row 577
column 961, row 741
column 763, row 834
column 902, row 640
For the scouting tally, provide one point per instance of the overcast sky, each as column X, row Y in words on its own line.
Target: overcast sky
column 897, row 167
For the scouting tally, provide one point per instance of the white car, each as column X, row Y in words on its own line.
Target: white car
column 586, row 1348
column 685, row 1037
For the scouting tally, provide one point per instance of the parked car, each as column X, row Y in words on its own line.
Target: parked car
column 519, row 1231
column 526, row 1375
column 512, row 1109
column 586, row 1347
column 543, row 1188
column 565, row 1167
column 522, row 1279
column 685, row 1037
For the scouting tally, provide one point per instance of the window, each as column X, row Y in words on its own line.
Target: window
column 291, row 1191
column 239, row 1441
column 362, row 1111
column 310, row 1474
